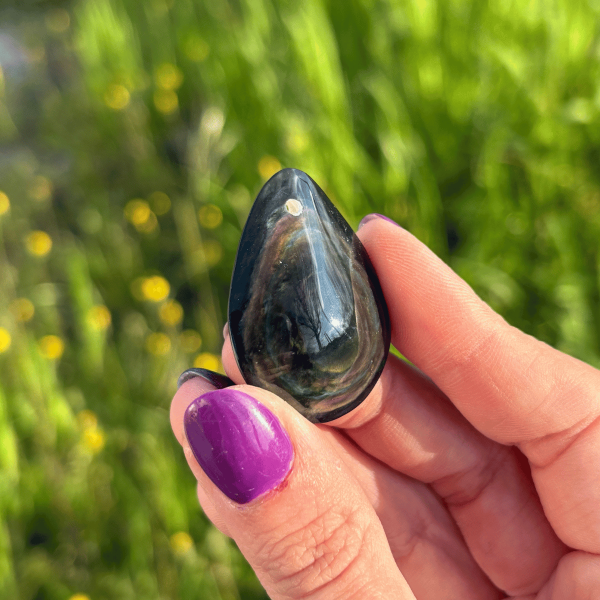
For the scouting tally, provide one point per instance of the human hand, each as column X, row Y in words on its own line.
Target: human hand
column 478, row 480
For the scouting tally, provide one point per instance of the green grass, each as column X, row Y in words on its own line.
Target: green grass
column 474, row 125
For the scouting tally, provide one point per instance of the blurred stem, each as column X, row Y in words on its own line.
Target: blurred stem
column 196, row 268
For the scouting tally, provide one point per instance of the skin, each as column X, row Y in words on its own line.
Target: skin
column 473, row 475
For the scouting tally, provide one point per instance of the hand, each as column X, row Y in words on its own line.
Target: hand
column 475, row 476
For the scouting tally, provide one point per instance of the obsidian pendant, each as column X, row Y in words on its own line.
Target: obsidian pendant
column 307, row 316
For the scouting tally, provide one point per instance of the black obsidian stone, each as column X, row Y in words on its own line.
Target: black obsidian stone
column 307, row 316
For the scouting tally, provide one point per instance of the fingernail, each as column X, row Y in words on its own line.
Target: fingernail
column 239, row 443
column 216, row 379
column 226, row 331
column 373, row 216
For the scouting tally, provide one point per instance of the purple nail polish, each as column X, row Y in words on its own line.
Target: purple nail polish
column 239, row 443
column 376, row 216
column 215, row 379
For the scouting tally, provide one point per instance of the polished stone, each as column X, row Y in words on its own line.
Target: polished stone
column 307, row 316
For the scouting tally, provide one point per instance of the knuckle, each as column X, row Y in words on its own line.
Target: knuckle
column 325, row 551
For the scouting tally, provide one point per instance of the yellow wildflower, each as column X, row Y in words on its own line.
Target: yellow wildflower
column 51, row 347
column 166, row 101
column 117, row 96
column 158, row 344
column 190, row 340
column 171, row 312
column 22, row 309
column 210, row 216
column 268, row 166
column 139, row 214
column 137, row 211
column 87, row 419
column 181, row 543
column 155, row 288
column 213, row 251
column 38, row 243
column 195, row 48
column 297, row 140
column 5, row 340
column 79, row 597
column 168, row 76
column 160, row 202
column 4, row 203
column 99, row 317
column 93, row 439
column 207, row 360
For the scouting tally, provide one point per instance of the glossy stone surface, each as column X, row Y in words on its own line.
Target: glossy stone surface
column 306, row 313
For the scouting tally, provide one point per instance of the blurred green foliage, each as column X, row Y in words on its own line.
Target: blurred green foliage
column 134, row 136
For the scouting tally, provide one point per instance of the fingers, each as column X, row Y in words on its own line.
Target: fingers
column 423, row 539
column 299, row 516
column 408, row 424
column 417, row 431
column 511, row 387
column 577, row 576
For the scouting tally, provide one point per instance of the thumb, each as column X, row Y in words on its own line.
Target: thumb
column 277, row 486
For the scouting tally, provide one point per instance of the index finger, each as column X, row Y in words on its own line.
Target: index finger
column 512, row 387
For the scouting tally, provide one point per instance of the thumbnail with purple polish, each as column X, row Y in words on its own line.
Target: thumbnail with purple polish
column 239, row 443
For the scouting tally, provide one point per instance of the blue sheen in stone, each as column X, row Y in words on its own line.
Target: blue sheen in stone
column 307, row 316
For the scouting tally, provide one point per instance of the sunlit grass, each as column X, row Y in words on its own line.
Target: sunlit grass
column 135, row 137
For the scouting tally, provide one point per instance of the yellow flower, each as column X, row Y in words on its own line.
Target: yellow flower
column 268, row 166
column 79, row 597
column 22, row 309
column 92, row 436
column 171, row 312
column 38, row 243
column 213, row 251
column 87, row 419
column 93, row 439
column 155, row 288
column 297, row 140
column 117, row 96
column 4, row 203
column 40, row 188
column 210, row 216
column 51, row 347
column 139, row 214
column 98, row 317
column 195, row 48
column 137, row 211
column 181, row 543
column 166, row 101
column 168, row 76
column 161, row 203
column 207, row 360
column 190, row 340
column 5, row 340
column 158, row 344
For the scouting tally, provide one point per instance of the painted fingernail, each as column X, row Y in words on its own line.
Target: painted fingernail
column 373, row 216
column 215, row 379
column 239, row 443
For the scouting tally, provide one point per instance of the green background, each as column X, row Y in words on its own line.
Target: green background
column 473, row 124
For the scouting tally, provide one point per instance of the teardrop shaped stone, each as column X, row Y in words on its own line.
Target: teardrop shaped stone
column 307, row 316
